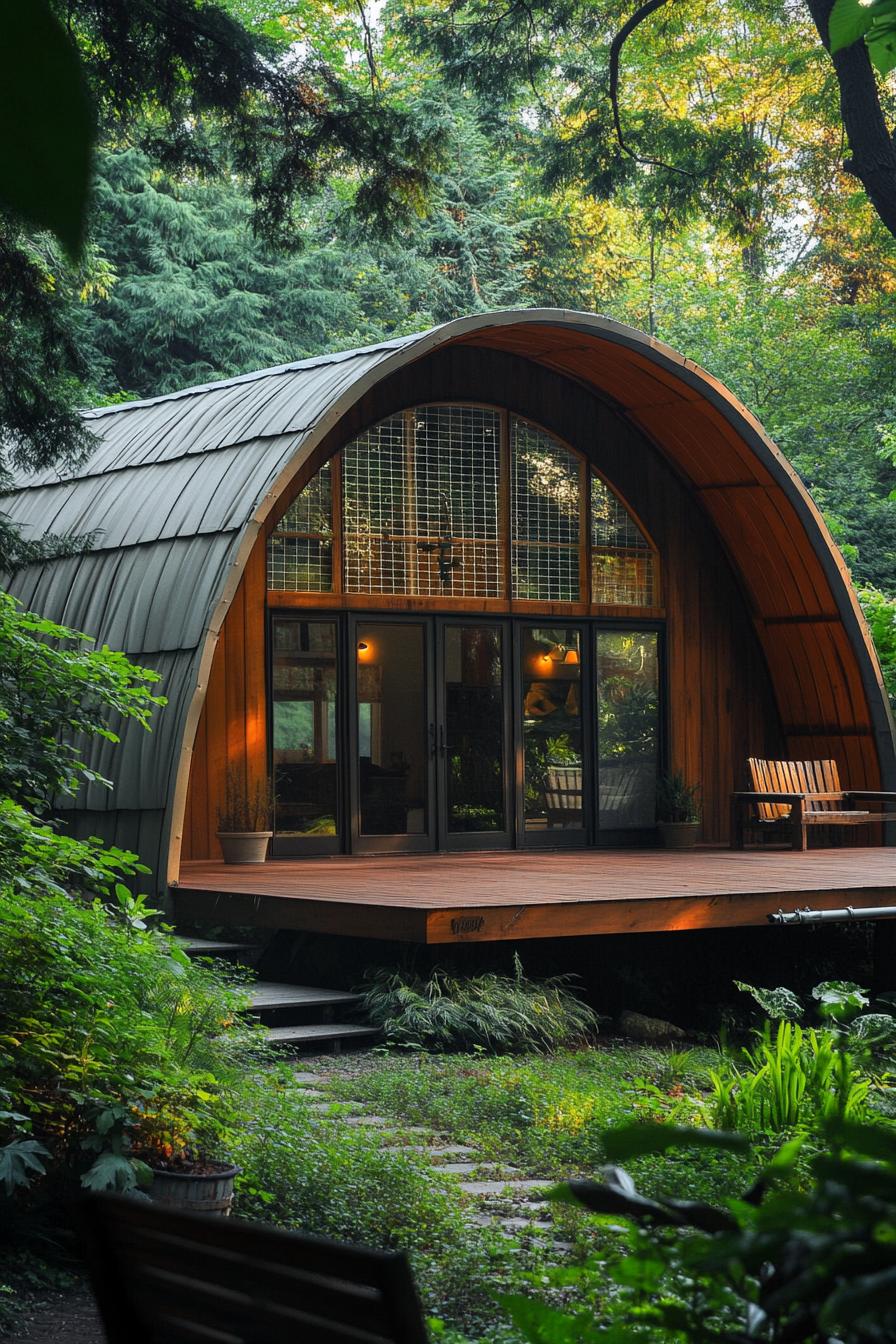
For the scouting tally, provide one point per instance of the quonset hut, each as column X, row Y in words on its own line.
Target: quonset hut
column 466, row 590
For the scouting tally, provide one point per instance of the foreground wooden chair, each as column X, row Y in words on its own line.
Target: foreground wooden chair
column 180, row 1278
column 794, row 795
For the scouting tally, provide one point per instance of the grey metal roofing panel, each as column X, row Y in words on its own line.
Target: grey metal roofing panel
column 222, row 414
column 142, row 762
column 183, row 498
column 143, row 599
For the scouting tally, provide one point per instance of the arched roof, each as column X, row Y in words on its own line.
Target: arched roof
column 178, row 488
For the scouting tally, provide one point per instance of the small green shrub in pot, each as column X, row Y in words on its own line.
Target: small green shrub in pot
column 500, row 1013
column 677, row 810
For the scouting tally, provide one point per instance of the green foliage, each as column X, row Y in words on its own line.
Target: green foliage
column 880, row 613
column 791, row 1079
column 45, row 160
column 676, row 799
column 492, row 1012
column 875, row 20
column 777, row 1003
column 799, row 1078
column 299, row 1171
column 55, row 692
column 794, row 1261
column 111, row 1041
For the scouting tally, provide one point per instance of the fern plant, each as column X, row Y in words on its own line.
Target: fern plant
column 499, row 1013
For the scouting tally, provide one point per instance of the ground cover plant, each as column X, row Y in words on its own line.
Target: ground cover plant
column 548, row 1114
column 302, row 1170
column 499, row 1013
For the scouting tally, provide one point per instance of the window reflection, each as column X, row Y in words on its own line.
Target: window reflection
column 474, row 726
column 550, row 674
column 627, row 727
column 304, row 727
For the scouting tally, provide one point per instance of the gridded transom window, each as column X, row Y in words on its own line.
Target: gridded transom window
column 421, row 503
column 300, row 552
column 432, row 501
column 547, row 484
column 623, row 569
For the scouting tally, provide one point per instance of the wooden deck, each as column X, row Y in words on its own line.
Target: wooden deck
column 451, row 898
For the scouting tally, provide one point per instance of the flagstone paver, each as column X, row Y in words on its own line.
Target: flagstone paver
column 500, row 1199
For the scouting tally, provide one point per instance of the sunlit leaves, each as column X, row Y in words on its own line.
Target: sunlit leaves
column 875, row 20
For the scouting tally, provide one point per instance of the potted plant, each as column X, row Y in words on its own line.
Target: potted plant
column 677, row 811
column 243, row 823
column 166, row 1146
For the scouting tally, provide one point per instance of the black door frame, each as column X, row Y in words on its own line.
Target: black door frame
column 298, row 846
column 348, row 839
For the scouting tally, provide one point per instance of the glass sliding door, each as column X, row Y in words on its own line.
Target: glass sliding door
column 628, row 728
column 472, row 758
column 304, row 680
column 553, row 751
column 394, row 736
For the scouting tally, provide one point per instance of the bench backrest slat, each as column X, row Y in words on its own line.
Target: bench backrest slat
column 793, row 777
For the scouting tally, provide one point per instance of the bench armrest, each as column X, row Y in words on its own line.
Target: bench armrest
column 871, row 794
column 792, row 797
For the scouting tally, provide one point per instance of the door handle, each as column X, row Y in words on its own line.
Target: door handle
column 432, row 740
column 441, row 739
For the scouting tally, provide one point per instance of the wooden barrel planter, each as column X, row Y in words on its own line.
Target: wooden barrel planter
column 209, row 1191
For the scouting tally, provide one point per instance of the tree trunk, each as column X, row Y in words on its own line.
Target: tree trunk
column 873, row 159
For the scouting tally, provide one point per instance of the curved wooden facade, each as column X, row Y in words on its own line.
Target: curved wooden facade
column 760, row 657
column 766, row 651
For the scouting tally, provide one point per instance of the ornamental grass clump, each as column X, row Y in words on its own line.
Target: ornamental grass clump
column 503, row 1014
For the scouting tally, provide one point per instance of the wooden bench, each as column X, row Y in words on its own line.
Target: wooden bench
column 794, row 795
column 164, row 1277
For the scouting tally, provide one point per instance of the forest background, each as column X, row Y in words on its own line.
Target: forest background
column 711, row 206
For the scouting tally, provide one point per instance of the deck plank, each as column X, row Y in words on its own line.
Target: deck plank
column 507, row 895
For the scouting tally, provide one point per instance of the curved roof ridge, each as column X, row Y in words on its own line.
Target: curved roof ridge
column 257, row 375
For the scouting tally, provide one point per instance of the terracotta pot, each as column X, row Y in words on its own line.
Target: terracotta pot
column 210, row 1192
column 679, row 834
column 244, row 846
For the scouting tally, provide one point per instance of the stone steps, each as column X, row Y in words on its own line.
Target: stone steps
column 321, row 1033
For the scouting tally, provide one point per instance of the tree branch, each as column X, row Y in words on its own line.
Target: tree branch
column 873, row 159
column 616, row 46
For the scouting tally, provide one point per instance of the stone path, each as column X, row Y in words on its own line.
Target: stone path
column 494, row 1195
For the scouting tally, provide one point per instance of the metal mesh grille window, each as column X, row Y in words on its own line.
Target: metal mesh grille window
column 545, row 509
column 623, row 568
column 423, row 515
column 300, row 551
column 421, row 505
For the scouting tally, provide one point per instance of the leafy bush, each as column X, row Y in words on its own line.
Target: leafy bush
column 111, row 1041
column 56, row 692
column 796, row 1077
column 807, row 1264
column 791, row 1079
column 499, row 1013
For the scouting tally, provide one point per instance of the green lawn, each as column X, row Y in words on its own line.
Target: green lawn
column 546, row 1114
